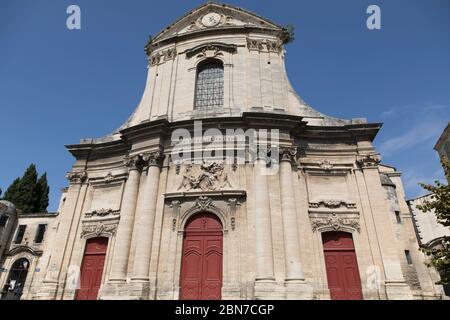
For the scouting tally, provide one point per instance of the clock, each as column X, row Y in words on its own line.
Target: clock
column 211, row 19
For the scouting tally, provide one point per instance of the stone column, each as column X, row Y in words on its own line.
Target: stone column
column 50, row 283
column 294, row 269
column 263, row 228
column 124, row 232
column 145, row 215
column 396, row 286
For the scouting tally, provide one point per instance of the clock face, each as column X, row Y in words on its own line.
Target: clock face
column 211, row 19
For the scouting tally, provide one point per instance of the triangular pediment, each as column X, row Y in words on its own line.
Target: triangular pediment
column 215, row 16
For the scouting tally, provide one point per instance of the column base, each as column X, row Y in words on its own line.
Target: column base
column 431, row 296
column 230, row 292
column 398, row 290
column 268, row 290
column 298, row 290
column 47, row 291
column 125, row 291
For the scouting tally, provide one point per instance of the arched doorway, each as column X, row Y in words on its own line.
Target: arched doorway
column 201, row 266
column 342, row 266
column 16, row 280
column 92, row 269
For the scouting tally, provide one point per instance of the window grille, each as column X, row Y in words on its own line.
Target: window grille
column 209, row 86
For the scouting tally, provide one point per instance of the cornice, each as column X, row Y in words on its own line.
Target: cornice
column 355, row 131
column 245, row 31
column 294, row 125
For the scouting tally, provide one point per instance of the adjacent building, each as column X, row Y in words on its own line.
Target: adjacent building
column 443, row 144
column 23, row 240
column 430, row 233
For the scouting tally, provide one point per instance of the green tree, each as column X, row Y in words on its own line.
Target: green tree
column 41, row 194
column 440, row 204
column 288, row 34
column 12, row 193
column 28, row 193
column 27, row 189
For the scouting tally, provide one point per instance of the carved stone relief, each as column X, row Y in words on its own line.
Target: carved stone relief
column 109, row 178
column 211, row 20
column 163, row 56
column 326, row 165
column 175, row 205
column 211, row 50
column 233, row 206
column 264, row 45
column 98, row 229
column 225, row 204
column 102, row 213
column 209, row 177
column 335, row 222
column 332, row 204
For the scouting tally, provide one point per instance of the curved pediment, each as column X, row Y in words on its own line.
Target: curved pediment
column 213, row 16
column 20, row 249
column 211, row 46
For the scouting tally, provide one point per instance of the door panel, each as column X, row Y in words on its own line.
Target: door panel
column 201, row 271
column 341, row 266
column 92, row 269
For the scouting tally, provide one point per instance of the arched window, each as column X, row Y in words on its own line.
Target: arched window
column 209, row 85
column 16, row 280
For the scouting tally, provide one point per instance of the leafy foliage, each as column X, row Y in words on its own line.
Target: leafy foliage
column 440, row 204
column 29, row 193
column 288, row 34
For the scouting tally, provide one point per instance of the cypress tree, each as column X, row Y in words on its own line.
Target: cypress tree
column 41, row 194
column 12, row 193
column 28, row 193
column 27, row 189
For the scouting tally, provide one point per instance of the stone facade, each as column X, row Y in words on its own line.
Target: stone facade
column 443, row 144
column 129, row 188
column 28, row 247
column 427, row 226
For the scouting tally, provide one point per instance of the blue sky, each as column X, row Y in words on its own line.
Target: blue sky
column 57, row 86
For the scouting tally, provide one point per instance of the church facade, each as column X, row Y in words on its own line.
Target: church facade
column 225, row 184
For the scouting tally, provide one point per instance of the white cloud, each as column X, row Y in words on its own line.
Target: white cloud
column 423, row 125
column 389, row 113
column 418, row 134
column 412, row 178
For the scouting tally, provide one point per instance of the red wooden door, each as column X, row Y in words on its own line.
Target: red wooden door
column 201, row 266
column 342, row 266
column 92, row 269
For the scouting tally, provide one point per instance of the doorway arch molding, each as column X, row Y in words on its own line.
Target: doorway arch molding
column 224, row 204
column 204, row 205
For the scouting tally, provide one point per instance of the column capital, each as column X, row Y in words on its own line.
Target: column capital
column 77, row 177
column 368, row 161
column 134, row 162
column 154, row 158
column 288, row 154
